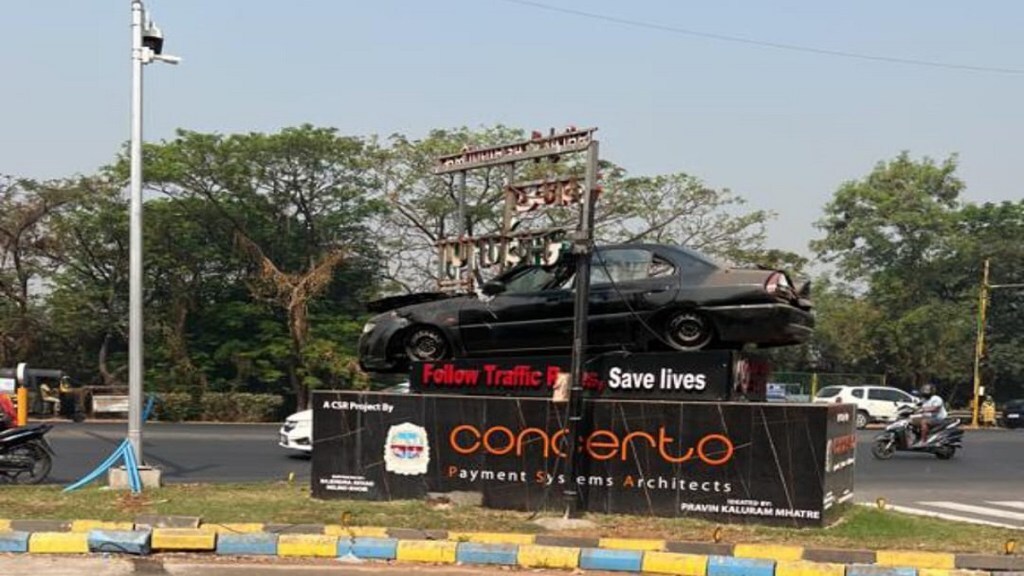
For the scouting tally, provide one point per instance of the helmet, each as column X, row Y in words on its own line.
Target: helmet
column 928, row 390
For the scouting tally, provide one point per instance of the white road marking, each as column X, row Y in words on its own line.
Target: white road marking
column 943, row 516
column 979, row 510
column 1011, row 504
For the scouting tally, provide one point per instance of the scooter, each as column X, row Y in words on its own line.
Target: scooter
column 943, row 439
column 26, row 456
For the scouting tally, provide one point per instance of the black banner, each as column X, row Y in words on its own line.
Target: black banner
column 687, row 376
column 777, row 464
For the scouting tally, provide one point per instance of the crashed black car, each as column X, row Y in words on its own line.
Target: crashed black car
column 642, row 297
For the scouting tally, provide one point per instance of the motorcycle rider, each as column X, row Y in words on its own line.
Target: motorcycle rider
column 931, row 412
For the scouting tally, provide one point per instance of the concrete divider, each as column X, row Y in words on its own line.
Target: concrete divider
column 915, row 559
column 733, row 566
column 136, row 542
column 611, row 559
column 58, row 543
column 433, row 551
column 632, row 544
column 152, row 521
column 806, row 568
column 484, row 553
column 875, row 570
column 90, row 525
column 777, row 552
column 492, row 537
column 41, row 525
column 527, row 551
column 675, row 563
column 250, row 544
column 990, row 562
column 13, row 541
column 233, row 527
column 369, row 548
column 535, row 556
column 312, row 545
column 184, row 540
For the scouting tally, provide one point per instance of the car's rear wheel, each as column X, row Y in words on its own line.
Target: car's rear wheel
column 425, row 344
column 688, row 330
column 862, row 419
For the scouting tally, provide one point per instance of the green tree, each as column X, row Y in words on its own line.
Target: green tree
column 27, row 208
column 891, row 235
column 88, row 302
column 297, row 204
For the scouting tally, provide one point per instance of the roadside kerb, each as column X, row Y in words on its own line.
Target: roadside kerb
column 149, row 535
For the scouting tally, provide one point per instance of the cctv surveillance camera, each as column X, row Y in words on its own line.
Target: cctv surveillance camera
column 153, row 39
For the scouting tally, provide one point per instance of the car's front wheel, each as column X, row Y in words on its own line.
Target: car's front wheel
column 426, row 344
column 688, row 330
column 862, row 419
column 883, row 449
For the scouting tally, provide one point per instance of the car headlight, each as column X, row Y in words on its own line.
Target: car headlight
column 368, row 327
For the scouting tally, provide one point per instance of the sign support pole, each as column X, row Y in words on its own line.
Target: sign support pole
column 582, row 250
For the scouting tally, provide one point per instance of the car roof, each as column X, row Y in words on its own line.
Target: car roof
column 666, row 248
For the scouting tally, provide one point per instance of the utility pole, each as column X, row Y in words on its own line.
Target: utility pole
column 147, row 46
column 979, row 345
column 582, row 249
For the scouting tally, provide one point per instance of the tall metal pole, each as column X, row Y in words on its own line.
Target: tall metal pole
column 979, row 348
column 135, row 360
column 582, row 250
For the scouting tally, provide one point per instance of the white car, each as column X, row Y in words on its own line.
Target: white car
column 874, row 403
column 297, row 431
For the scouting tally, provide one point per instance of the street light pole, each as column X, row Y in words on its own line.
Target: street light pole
column 979, row 347
column 147, row 45
column 135, row 360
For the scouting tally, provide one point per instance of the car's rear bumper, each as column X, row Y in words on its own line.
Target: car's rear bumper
column 775, row 324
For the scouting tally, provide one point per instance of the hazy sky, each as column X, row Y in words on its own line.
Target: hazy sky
column 781, row 128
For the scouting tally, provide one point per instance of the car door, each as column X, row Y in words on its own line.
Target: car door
column 533, row 313
column 885, row 402
column 627, row 284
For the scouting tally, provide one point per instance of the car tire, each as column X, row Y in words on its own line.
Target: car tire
column 688, row 330
column 862, row 419
column 425, row 344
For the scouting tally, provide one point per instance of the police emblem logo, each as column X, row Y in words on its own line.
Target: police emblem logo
column 406, row 450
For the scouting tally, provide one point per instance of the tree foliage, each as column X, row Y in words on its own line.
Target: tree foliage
column 910, row 253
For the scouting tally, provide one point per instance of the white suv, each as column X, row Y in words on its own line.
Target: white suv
column 874, row 403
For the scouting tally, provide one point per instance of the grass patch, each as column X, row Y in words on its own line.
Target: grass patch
column 280, row 502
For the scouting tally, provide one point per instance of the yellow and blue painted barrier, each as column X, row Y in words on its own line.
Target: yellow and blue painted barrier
column 639, row 556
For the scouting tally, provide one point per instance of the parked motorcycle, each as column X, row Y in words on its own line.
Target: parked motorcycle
column 26, row 456
column 943, row 439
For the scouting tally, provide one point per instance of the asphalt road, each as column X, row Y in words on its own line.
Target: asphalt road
column 982, row 483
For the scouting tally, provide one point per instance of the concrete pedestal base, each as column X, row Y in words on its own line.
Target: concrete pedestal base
column 117, row 477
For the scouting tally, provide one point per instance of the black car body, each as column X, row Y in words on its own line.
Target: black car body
column 1013, row 413
column 642, row 297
